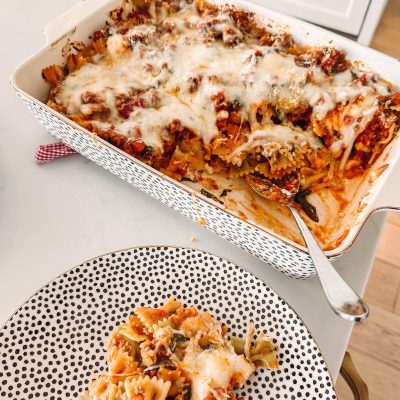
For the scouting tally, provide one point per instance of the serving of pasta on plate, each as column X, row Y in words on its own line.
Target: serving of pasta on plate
column 177, row 352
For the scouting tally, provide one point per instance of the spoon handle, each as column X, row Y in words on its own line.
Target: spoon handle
column 344, row 301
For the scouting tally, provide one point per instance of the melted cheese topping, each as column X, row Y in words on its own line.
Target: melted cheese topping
column 213, row 369
column 166, row 64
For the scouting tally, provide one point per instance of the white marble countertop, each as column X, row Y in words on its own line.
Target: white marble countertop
column 55, row 216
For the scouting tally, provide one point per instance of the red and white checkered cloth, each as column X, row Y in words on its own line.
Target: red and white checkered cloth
column 50, row 152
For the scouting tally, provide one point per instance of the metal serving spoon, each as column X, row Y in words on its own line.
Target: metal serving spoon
column 344, row 301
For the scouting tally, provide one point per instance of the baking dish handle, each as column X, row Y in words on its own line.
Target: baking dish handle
column 67, row 21
column 388, row 199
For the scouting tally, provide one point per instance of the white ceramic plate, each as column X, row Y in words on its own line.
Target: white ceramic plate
column 53, row 345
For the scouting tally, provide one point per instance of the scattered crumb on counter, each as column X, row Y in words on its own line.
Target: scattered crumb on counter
column 192, row 238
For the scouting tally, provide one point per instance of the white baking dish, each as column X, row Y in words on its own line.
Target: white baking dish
column 378, row 191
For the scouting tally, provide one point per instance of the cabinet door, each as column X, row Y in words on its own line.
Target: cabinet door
column 342, row 15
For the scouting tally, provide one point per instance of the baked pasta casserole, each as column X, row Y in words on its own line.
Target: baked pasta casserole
column 178, row 353
column 197, row 90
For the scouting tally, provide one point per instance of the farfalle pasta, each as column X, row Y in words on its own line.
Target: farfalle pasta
column 197, row 90
column 180, row 353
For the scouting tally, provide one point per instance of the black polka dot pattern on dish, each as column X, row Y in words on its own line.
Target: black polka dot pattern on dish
column 254, row 240
column 54, row 344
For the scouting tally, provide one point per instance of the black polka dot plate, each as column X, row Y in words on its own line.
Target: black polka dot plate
column 54, row 344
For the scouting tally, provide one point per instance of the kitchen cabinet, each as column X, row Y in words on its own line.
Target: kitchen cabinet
column 358, row 18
